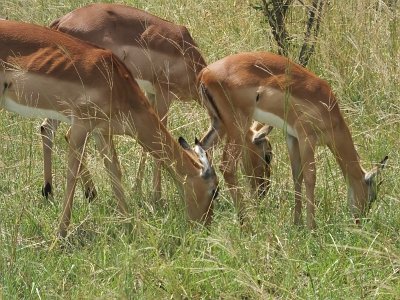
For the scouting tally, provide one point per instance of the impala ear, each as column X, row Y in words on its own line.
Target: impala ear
column 207, row 170
column 370, row 176
column 183, row 143
column 383, row 162
column 201, row 153
column 260, row 135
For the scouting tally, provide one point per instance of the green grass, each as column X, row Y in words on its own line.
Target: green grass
column 164, row 258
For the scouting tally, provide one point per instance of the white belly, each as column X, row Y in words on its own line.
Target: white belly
column 273, row 120
column 32, row 112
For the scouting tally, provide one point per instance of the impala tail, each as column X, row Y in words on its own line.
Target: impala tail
column 208, row 101
column 54, row 25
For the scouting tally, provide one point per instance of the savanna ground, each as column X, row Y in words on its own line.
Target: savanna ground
column 358, row 53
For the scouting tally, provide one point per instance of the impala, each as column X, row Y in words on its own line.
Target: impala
column 165, row 61
column 273, row 90
column 45, row 73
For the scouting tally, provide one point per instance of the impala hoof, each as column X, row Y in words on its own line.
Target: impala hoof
column 262, row 190
column 47, row 190
column 90, row 194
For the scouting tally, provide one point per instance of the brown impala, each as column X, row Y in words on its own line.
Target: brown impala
column 45, row 73
column 271, row 89
column 165, row 61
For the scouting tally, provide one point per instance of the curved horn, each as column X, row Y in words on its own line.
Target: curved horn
column 376, row 170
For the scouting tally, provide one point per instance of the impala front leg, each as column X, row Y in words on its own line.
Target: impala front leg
column 162, row 104
column 230, row 159
column 297, row 175
column 106, row 147
column 86, row 178
column 143, row 155
column 77, row 141
column 47, row 131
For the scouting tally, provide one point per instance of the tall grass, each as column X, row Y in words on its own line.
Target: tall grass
column 164, row 258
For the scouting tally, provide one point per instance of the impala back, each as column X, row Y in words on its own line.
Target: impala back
column 49, row 74
column 162, row 54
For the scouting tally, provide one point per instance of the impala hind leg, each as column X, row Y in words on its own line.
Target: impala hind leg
column 47, row 132
column 77, row 141
column 85, row 176
column 106, row 148
column 297, row 175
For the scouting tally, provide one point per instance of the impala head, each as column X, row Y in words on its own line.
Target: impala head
column 373, row 182
column 362, row 196
column 200, row 189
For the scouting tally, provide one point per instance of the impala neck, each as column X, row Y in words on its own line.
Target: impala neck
column 154, row 137
column 135, row 117
column 346, row 155
column 164, row 147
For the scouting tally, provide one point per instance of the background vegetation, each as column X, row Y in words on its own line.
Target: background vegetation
column 163, row 258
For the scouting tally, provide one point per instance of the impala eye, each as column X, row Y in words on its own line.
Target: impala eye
column 7, row 85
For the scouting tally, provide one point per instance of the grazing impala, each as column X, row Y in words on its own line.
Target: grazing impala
column 45, row 73
column 273, row 90
column 163, row 58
